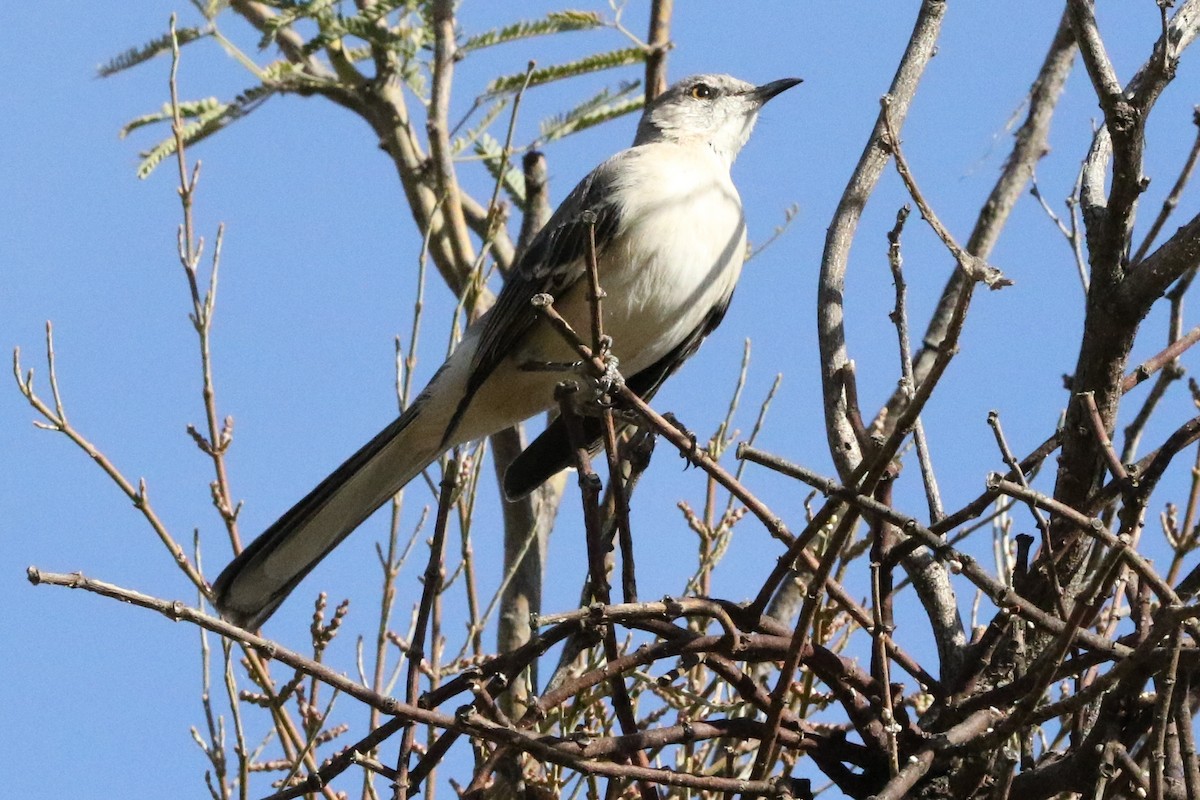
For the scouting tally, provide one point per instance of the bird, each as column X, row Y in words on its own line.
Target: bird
column 670, row 241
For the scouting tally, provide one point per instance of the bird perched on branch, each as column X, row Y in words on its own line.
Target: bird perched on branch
column 670, row 241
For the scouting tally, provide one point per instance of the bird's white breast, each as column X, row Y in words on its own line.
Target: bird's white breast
column 676, row 254
column 677, row 251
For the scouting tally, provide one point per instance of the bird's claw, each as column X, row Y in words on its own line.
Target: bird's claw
column 690, row 434
column 611, row 379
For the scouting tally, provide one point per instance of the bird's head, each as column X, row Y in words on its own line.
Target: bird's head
column 717, row 111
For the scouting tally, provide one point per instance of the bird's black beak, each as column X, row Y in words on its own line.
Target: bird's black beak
column 768, row 90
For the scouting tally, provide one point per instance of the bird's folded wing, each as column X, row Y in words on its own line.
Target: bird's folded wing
column 552, row 263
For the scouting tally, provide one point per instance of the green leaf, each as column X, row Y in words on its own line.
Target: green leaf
column 512, row 180
column 210, row 8
column 382, row 8
column 605, row 105
column 468, row 139
column 188, row 109
column 592, row 63
column 555, row 22
column 405, row 38
column 137, row 55
column 291, row 14
column 205, row 124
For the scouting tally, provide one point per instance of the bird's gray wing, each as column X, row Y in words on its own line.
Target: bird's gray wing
column 550, row 452
column 552, row 263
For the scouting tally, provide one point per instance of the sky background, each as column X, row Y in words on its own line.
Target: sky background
column 318, row 275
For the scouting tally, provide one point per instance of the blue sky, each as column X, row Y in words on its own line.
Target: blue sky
column 318, row 277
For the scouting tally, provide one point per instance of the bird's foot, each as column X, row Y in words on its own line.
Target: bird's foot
column 611, row 379
column 690, row 434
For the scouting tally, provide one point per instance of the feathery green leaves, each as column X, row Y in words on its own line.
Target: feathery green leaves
column 137, row 55
column 314, row 9
column 469, row 138
column 210, row 8
column 554, row 22
column 593, row 63
column 188, row 109
column 607, row 104
column 512, row 180
column 207, row 117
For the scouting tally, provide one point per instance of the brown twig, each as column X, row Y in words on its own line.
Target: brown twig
column 620, row 499
column 843, row 444
column 1000, row 594
column 1014, row 467
column 658, row 44
column 1093, row 416
column 1133, row 771
column 686, row 444
column 1093, row 527
column 900, row 320
column 1072, row 234
column 1172, row 199
column 767, row 754
column 1160, row 359
column 1029, row 146
column 56, row 420
column 970, row 729
column 434, row 572
column 219, row 435
column 880, row 633
column 1164, row 683
column 976, row 507
column 977, row 269
column 1187, row 739
column 589, row 485
column 177, row 611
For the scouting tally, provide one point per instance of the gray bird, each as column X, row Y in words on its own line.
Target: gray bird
column 670, row 239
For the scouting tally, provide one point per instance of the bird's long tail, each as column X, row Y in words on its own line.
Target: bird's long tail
column 254, row 584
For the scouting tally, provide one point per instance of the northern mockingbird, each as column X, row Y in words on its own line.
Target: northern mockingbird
column 670, row 239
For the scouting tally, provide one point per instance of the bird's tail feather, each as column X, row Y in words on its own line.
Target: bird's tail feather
column 254, row 584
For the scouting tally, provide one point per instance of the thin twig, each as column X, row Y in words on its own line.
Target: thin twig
column 1097, row 422
column 1172, row 199
column 976, row 268
column 900, row 320
column 1014, row 466
column 589, row 485
column 687, row 445
column 959, row 562
column 56, row 420
column 620, row 499
column 1029, row 146
column 1161, row 359
column 432, row 587
column 658, row 43
column 843, row 444
column 219, row 435
column 1163, row 718
column 1073, row 235
column 1093, row 527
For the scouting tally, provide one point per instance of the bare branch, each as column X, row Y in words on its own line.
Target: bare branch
column 1172, row 199
column 843, row 445
column 659, row 42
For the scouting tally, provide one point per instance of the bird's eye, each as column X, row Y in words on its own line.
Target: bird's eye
column 702, row 91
